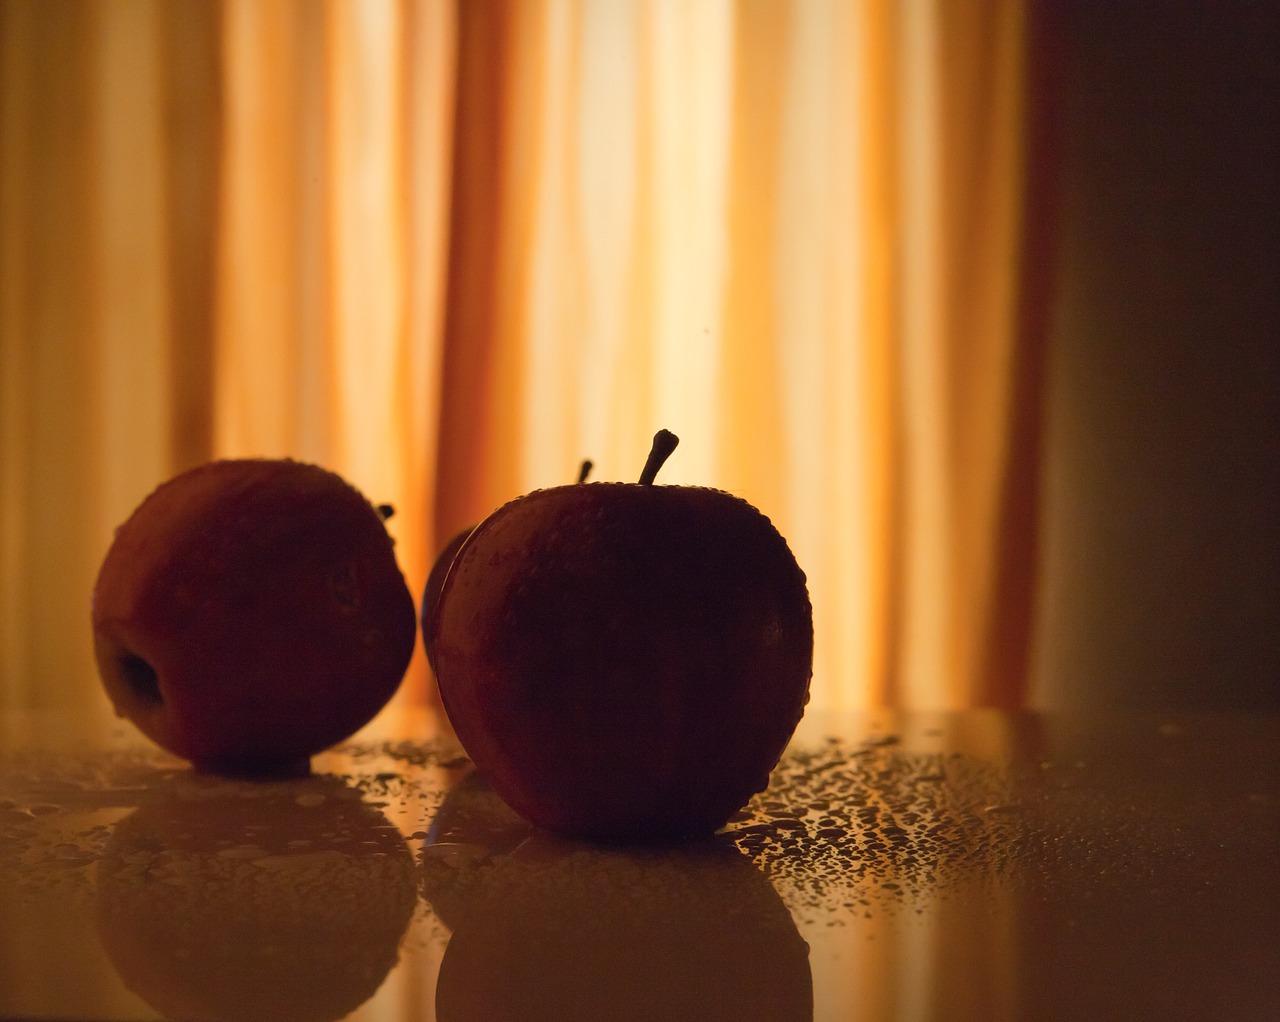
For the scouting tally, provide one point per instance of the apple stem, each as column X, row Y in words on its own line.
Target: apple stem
column 664, row 442
column 585, row 470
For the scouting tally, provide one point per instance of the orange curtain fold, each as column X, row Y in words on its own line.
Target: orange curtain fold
column 488, row 226
column 983, row 108
column 751, row 435
column 87, row 413
column 963, row 372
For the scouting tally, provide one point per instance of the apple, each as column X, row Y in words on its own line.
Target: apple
column 624, row 661
column 250, row 613
column 562, row 931
column 435, row 579
column 435, row 582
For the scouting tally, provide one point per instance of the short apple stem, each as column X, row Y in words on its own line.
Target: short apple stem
column 664, row 442
column 585, row 470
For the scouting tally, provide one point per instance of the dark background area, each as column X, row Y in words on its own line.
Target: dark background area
column 1161, row 541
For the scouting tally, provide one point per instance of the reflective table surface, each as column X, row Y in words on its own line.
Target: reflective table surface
column 980, row 865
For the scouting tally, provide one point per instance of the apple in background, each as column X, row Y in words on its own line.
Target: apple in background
column 251, row 613
column 624, row 661
column 435, row 580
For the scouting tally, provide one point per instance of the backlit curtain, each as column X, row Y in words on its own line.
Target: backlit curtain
column 449, row 249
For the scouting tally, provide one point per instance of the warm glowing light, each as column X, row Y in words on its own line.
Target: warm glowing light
column 450, row 250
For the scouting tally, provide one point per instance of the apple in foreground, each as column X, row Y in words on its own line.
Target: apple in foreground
column 625, row 662
column 250, row 613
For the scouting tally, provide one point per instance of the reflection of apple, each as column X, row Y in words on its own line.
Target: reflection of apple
column 472, row 814
column 471, row 831
column 283, row 901
column 251, row 613
column 435, row 580
column 563, row 931
column 625, row 661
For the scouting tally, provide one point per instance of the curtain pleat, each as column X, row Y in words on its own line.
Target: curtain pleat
column 86, row 292
column 189, row 53
column 962, row 207
column 476, row 466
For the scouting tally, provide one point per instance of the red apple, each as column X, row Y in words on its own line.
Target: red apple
column 625, row 661
column 251, row 613
column 435, row 580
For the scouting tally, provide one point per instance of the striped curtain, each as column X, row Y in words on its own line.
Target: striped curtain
column 449, row 249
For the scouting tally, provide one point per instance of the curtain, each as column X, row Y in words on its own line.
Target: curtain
column 451, row 249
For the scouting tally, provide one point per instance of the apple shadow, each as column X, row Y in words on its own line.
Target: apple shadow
column 544, row 928
column 283, row 900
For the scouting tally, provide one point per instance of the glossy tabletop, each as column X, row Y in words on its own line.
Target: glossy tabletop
column 981, row 866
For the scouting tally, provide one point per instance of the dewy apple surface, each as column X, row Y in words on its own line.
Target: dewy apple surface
column 250, row 613
column 624, row 661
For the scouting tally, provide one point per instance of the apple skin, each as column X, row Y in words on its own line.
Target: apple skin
column 440, row 569
column 624, row 662
column 250, row 613
column 435, row 583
